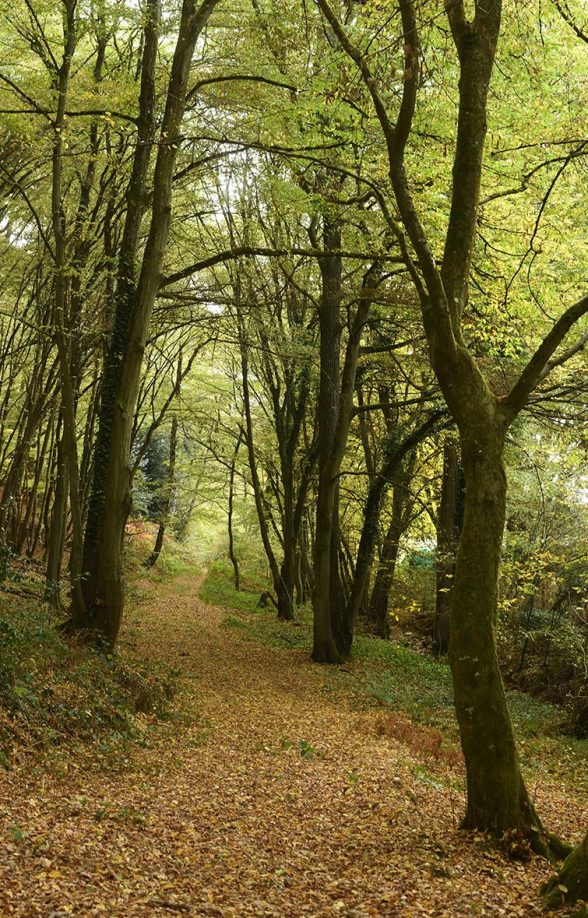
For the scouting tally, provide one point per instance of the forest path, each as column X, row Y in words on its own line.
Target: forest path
column 277, row 798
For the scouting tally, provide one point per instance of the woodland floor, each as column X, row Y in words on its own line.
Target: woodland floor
column 274, row 796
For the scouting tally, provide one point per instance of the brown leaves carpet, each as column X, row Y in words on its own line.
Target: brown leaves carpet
column 273, row 800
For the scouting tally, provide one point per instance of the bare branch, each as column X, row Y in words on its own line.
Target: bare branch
column 539, row 365
column 252, row 251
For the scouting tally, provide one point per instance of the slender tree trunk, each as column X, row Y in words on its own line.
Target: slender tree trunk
column 168, row 495
column 395, row 451
column 377, row 613
column 43, row 441
column 252, row 458
column 449, row 523
column 286, row 586
column 64, row 346
column 326, row 596
column 232, row 555
column 333, row 622
column 38, row 397
column 56, row 538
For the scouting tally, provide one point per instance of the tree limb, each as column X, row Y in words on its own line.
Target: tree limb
column 540, row 365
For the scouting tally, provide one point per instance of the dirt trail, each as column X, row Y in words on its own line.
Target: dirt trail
column 276, row 800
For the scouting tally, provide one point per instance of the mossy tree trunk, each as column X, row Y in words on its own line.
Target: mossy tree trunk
column 497, row 798
column 449, row 524
column 570, row 885
column 110, row 501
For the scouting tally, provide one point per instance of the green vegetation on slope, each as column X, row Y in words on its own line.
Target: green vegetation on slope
column 54, row 691
column 400, row 679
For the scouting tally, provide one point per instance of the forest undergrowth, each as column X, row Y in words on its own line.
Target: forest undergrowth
column 268, row 786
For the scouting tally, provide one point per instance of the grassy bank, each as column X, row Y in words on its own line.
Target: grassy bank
column 56, row 693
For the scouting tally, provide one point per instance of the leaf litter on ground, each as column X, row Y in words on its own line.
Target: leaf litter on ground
column 267, row 798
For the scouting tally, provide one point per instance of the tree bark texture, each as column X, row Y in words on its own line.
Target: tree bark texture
column 449, row 523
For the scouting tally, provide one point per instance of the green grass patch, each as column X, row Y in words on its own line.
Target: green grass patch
column 254, row 623
column 219, row 588
column 400, row 677
column 270, row 632
column 403, row 679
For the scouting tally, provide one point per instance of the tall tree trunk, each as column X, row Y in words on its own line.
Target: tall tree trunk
column 124, row 298
column 326, row 591
column 377, row 612
column 167, row 501
column 64, row 346
column 260, row 505
column 56, row 536
column 497, row 799
column 111, row 494
column 449, row 523
column 287, row 580
column 232, row 554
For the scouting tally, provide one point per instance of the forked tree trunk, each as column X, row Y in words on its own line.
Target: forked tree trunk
column 377, row 611
column 333, row 618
